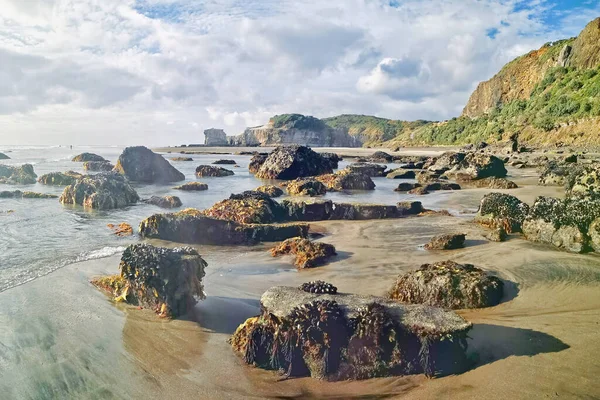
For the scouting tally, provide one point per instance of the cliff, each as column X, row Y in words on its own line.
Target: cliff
column 215, row 137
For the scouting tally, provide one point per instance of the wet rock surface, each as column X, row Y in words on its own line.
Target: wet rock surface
column 328, row 210
column 449, row 285
column 401, row 173
column 249, row 207
column 499, row 209
column 140, row 164
column 306, row 187
column 164, row 202
column 98, row 166
column 369, row 169
column 291, row 162
column 308, row 254
column 449, row 241
column 17, row 194
column 225, row 162
column 59, row 178
column 23, row 175
column 212, row 171
column 346, row 180
column 333, row 159
column 270, row 190
column 102, row 191
column 407, row 186
column 168, row 281
column 192, row 186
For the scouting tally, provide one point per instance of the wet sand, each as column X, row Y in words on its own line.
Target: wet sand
column 59, row 337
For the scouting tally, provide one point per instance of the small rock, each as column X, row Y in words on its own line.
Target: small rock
column 192, row 186
column 211, row 171
column 447, row 242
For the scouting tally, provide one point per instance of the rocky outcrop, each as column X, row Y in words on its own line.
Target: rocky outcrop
column 83, row 157
column 193, row 227
column 478, row 166
column 247, row 208
column 270, row 190
column 192, row 186
column 306, row 187
column 98, row 166
column 369, row 169
column 17, row 194
column 498, row 209
column 449, row 285
column 449, row 241
column 212, row 171
column 164, row 202
column 60, row 178
column 333, row 159
column 308, row 254
column 256, row 162
column 140, row 164
column 345, row 336
column 328, row 210
column 445, row 162
column 291, row 162
column 23, row 175
column 346, row 180
column 102, row 191
column 167, row 281
column 215, row 137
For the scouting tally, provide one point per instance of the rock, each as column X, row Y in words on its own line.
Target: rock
column 446, row 162
column 23, row 175
column 164, row 202
column 59, row 178
column 327, row 210
column 192, row 186
column 498, row 209
column 449, row 285
column 401, row 174
column 140, row 164
column 333, row 159
column 181, row 159
column 306, row 187
column 318, row 287
column 584, row 183
column 447, row 242
column 351, row 336
column 17, row 194
column 372, row 170
column 419, row 191
column 123, row 229
column 270, row 190
column 572, row 158
column 594, row 235
column 291, row 162
column 308, row 254
column 497, row 235
column 102, row 191
column 380, row 157
column 211, row 171
column 215, row 137
column 410, row 208
column 226, row 162
column 256, row 162
column 83, row 157
column 346, row 180
column 4, row 157
column 247, row 208
column 98, row 166
column 478, row 166
column 441, row 186
column 168, row 281
column 425, row 177
column 407, row 186
column 490, row 183
column 193, row 227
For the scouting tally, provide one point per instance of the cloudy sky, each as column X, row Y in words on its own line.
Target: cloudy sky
column 161, row 71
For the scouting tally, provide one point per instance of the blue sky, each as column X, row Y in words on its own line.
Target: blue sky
column 162, row 71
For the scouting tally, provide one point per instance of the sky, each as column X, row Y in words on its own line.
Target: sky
column 159, row 72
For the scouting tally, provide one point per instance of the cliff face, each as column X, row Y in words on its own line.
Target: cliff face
column 215, row 137
column 519, row 77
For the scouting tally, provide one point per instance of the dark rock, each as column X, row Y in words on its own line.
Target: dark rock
column 181, row 159
column 308, row 254
column 211, row 171
column 256, row 162
column 4, row 157
column 59, row 178
column 478, row 166
column 168, row 281
column 380, row 157
column 333, row 159
column 327, row 210
column 23, row 175
column 192, row 186
column 247, row 208
column 410, row 208
column 449, row 285
column 499, row 209
column 433, row 186
column 584, row 183
column 570, row 158
column 372, row 170
column 164, row 202
column 102, row 191
column 17, row 194
column 318, row 287
column 401, row 174
column 446, row 162
column 291, row 162
column 83, row 157
column 140, row 164
column 306, row 187
column 419, row 191
column 447, row 242
column 346, row 180
column 407, row 186
column 226, row 162
column 497, row 235
column 270, row 190
column 98, row 166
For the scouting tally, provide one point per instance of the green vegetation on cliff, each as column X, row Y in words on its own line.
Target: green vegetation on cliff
column 297, row 121
column 372, row 130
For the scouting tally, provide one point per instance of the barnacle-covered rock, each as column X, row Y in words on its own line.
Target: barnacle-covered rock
column 291, row 162
column 164, row 202
column 497, row 235
column 345, row 336
column 306, row 187
column 249, row 207
column 59, row 178
column 319, row 287
column 446, row 242
column 256, row 162
column 88, row 157
column 270, row 190
column 140, row 164
column 499, row 209
column 328, row 210
column 308, row 254
column 168, row 281
column 103, row 191
column 346, row 180
column 212, row 171
column 98, row 166
column 369, row 169
column 192, row 186
column 23, row 175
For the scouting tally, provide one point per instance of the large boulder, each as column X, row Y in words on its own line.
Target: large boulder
column 98, row 166
column 60, row 178
column 83, row 157
column 308, row 254
column 167, row 281
column 499, row 209
column 584, row 183
column 445, row 162
column 306, row 187
column 249, row 207
column 193, row 227
column 333, row 159
column 23, row 175
column 369, row 169
column 346, row 336
column 346, row 180
column 212, row 171
column 102, row 191
column 449, row 285
column 291, row 162
column 140, row 164
column 164, row 202
column 401, row 173
column 256, row 162
column 478, row 166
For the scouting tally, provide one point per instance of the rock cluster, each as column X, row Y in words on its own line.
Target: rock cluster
column 308, row 254
column 291, row 162
column 140, row 164
column 23, row 175
column 102, row 191
column 212, row 171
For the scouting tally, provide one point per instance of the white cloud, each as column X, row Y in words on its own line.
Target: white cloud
column 161, row 71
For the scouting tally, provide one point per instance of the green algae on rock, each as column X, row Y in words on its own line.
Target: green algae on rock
column 103, row 191
column 23, row 175
column 247, row 208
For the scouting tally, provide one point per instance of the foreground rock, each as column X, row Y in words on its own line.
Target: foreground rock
column 372, row 170
column 98, row 166
column 102, row 191
column 247, row 208
column 306, row 187
column 346, row 180
column 270, row 190
column 192, row 186
column 450, row 241
column 23, row 175
column 212, row 171
column 17, row 194
column 291, row 162
column 140, row 164
column 449, row 285
column 502, row 210
column 308, row 254
column 83, row 157
column 344, row 336
column 193, row 227
column 168, row 281
column 59, row 178
column 164, row 202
